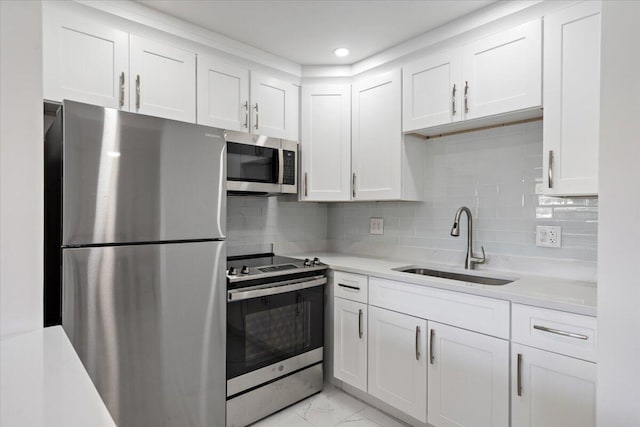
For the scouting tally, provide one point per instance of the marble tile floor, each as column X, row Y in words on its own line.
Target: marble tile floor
column 330, row 408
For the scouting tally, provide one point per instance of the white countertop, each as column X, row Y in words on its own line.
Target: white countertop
column 566, row 295
column 43, row 383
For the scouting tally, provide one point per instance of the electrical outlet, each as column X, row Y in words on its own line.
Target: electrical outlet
column 547, row 236
column 376, row 225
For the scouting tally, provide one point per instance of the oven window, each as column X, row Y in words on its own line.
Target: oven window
column 266, row 330
column 251, row 163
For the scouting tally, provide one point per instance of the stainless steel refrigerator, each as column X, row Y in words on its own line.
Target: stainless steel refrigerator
column 142, row 250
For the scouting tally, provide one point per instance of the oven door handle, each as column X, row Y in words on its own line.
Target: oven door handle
column 241, row 294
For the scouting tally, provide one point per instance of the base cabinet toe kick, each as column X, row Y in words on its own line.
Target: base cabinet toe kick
column 448, row 358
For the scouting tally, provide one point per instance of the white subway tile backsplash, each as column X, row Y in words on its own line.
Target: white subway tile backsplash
column 494, row 173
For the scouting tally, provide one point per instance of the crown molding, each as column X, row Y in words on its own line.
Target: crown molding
column 144, row 15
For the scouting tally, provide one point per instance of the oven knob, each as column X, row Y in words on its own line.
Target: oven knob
column 245, row 270
column 232, row 271
column 316, row 261
column 307, row 262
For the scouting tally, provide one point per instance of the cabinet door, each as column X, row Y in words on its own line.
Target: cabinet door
column 350, row 342
column 223, row 94
column 468, row 378
column 163, row 80
column 274, row 109
column 326, row 142
column 503, row 72
column 398, row 361
column 377, row 138
column 431, row 91
column 84, row 61
column 551, row 390
column 572, row 100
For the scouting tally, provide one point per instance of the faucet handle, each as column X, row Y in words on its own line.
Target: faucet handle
column 479, row 260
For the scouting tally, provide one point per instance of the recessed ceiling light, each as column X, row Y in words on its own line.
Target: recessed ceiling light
column 113, row 154
column 341, row 51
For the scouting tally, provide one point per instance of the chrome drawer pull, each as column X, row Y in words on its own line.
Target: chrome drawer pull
column 432, row 340
column 519, row 385
column 360, row 323
column 559, row 332
column 417, row 342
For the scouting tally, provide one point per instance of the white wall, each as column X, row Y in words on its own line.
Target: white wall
column 619, row 234
column 21, row 166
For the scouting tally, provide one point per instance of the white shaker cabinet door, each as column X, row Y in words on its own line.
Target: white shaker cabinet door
column 551, row 390
column 431, row 91
column 398, row 361
column 223, row 94
column 84, row 61
column 274, row 107
column 377, row 137
column 503, row 72
column 572, row 100
column 468, row 378
column 326, row 143
column 350, row 342
column 163, row 80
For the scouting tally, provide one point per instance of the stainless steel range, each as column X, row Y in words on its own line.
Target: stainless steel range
column 275, row 333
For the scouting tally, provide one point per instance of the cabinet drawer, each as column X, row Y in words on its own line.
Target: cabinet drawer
column 486, row 315
column 557, row 331
column 350, row 286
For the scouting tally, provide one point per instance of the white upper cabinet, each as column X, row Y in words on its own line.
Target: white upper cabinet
column 431, row 92
column 377, row 137
column 551, row 390
column 468, row 378
column 274, row 107
column 350, row 342
column 326, row 143
column 503, row 72
column 398, row 361
column 164, row 80
column 84, row 61
column 572, row 100
column 223, row 94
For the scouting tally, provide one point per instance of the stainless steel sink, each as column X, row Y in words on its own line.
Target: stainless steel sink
column 455, row 276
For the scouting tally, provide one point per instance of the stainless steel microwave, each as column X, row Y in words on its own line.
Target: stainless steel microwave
column 261, row 165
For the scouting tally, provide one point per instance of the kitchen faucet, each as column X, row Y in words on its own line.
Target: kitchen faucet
column 470, row 261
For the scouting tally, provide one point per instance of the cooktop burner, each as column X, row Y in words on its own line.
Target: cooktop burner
column 246, row 267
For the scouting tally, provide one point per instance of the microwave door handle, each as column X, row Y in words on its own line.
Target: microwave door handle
column 280, row 166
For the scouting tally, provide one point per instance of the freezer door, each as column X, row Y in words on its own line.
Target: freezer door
column 148, row 322
column 134, row 178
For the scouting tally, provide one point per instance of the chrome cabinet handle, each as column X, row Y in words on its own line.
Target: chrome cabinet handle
column 550, row 169
column 306, row 179
column 466, row 93
column 355, row 288
column 432, row 337
column 559, row 332
column 353, row 185
column 121, row 101
column 257, row 125
column 453, row 100
column 246, row 114
column 417, row 342
column 519, row 375
column 360, row 323
column 137, row 92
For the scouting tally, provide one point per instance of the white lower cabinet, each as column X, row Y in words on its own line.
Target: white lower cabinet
column 350, row 342
column 468, row 378
column 398, row 361
column 551, row 390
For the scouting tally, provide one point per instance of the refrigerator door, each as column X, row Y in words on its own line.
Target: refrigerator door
column 148, row 322
column 134, row 178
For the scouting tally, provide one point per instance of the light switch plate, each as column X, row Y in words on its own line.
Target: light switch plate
column 548, row 236
column 376, row 225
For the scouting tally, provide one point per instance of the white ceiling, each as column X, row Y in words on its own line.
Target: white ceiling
column 307, row 31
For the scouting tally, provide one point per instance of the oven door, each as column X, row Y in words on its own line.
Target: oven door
column 273, row 330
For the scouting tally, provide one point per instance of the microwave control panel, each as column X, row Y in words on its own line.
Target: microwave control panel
column 289, row 167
